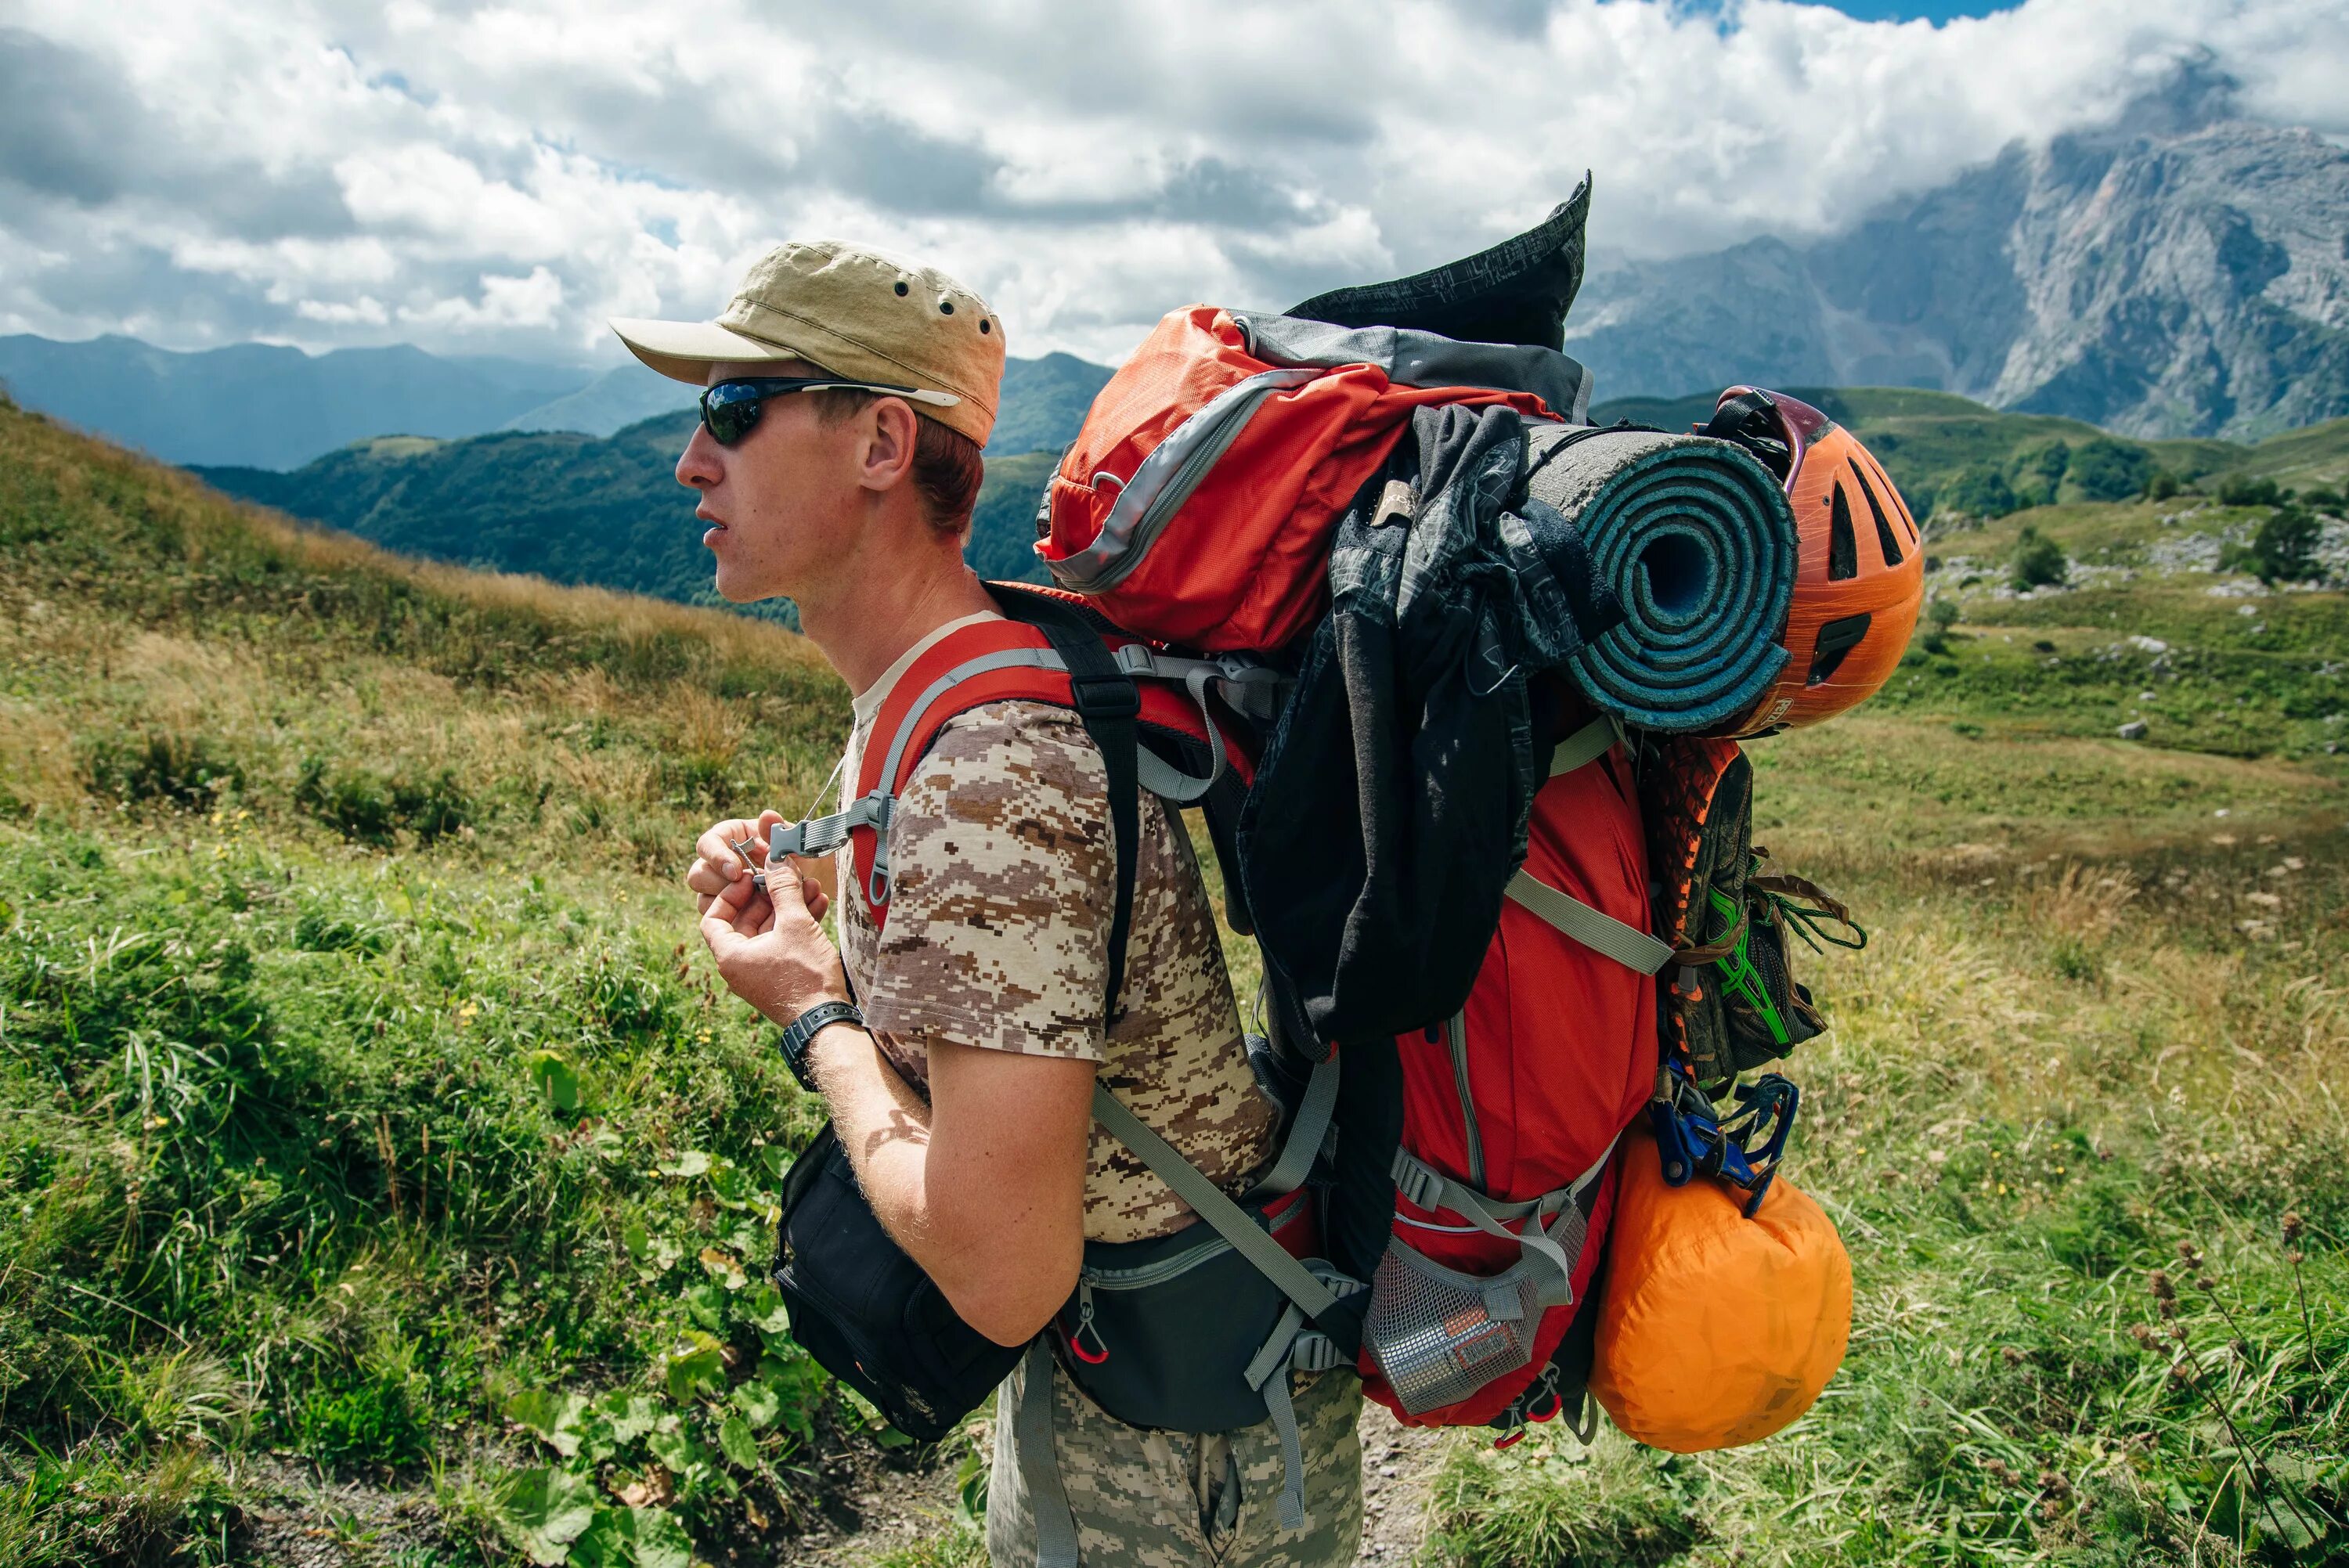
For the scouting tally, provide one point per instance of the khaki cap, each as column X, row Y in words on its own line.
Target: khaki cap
column 855, row 313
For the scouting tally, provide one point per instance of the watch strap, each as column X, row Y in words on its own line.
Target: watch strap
column 801, row 1031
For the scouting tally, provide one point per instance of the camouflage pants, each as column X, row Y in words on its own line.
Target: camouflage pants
column 1183, row 1499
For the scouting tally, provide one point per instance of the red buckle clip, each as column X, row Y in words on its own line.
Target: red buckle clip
column 1516, row 1436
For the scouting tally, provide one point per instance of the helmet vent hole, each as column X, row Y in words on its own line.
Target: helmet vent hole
column 1836, row 639
column 1843, row 549
column 1885, row 540
column 1679, row 574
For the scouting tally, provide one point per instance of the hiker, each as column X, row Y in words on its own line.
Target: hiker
column 958, row 1048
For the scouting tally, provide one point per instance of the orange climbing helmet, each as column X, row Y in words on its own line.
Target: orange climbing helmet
column 1860, row 578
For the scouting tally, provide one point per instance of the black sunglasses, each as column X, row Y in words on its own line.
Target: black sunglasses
column 730, row 409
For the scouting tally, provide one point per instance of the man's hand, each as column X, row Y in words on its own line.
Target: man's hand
column 769, row 949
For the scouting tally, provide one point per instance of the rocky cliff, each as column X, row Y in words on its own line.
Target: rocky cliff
column 2182, row 273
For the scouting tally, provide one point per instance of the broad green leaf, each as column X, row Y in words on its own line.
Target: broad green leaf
column 631, row 1415
column 761, row 1307
column 607, row 1144
column 542, row 1511
column 777, row 1161
column 725, row 1268
column 674, row 1449
column 659, row 1538
column 735, row 1441
column 731, row 1185
column 759, row 1403
column 696, row 1365
column 634, row 1538
column 554, row 1078
column 604, row 1543
column 637, row 1239
column 555, row 1417
column 707, row 1301
column 692, row 1162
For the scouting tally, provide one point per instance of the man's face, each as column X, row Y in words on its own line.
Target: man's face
column 783, row 503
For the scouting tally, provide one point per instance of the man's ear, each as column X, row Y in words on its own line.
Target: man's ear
column 886, row 451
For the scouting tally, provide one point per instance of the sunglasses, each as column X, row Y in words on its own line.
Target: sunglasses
column 730, row 409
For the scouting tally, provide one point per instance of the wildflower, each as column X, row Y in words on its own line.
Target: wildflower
column 2292, row 1227
column 2165, row 1295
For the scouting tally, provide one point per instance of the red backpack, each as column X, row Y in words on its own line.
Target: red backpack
column 1460, row 1174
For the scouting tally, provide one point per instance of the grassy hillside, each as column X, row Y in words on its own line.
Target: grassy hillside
column 1934, row 443
column 572, row 507
column 383, row 1180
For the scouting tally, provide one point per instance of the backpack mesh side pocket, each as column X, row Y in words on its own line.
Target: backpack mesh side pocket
column 1439, row 1336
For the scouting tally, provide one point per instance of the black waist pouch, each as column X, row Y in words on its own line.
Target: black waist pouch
column 1166, row 1333
column 867, row 1313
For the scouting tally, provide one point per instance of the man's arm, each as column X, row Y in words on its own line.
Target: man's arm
column 983, row 1187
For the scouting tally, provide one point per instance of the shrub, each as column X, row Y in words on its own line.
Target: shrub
column 2323, row 497
column 1940, row 614
column 2039, row 561
column 2238, row 489
column 2283, row 551
column 1980, row 492
column 2037, row 471
column 372, row 808
column 2161, row 485
column 2112, row 471
column 184, row 771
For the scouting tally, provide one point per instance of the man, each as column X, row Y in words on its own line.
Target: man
column 963, row 1096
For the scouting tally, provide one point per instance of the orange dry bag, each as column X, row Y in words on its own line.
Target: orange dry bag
column 1715, row 1330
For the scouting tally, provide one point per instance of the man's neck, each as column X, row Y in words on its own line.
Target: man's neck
column 878, row 615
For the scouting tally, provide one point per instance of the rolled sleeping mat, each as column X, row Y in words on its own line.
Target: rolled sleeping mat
column 1697, row 540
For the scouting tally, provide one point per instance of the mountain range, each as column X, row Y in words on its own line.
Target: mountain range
column 266, row 405
column 2184, row 272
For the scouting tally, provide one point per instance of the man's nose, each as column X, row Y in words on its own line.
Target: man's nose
column 700, row 466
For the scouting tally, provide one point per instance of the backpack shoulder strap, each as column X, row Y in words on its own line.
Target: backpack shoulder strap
column 1066, row 665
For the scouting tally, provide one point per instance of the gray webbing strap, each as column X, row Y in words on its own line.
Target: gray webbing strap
column 1602, row 934
column 1305, row 1133
column 1224, row 1216
column 1588, row 744
column 820, row 836
column 1040, row 1464
column 1558, row 1243
column 1292, row 1452
column 1424, row 1185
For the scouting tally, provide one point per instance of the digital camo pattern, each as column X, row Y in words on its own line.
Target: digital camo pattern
column 1186, row 1499
column 996, row 935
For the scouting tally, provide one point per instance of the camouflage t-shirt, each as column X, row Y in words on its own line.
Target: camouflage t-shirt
column 1002, row 881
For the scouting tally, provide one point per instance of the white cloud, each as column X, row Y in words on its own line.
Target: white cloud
column 500, row 177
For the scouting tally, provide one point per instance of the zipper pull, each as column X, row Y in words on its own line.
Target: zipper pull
column 1099, row 1352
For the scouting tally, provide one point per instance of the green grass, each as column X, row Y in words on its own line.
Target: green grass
column 382, row 1173
column 362, row 1113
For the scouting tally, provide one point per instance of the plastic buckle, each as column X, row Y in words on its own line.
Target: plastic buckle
column 1105, row 696
column 1557, row 1408
column 1509, row 1439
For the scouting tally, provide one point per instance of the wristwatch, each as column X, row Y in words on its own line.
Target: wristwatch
column 800, row 1031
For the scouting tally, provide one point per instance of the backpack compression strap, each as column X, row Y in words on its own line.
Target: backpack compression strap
column 1599, row 931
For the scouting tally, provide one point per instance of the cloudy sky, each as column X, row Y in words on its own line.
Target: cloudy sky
column 499, row 178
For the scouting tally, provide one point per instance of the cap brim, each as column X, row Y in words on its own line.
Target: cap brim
column 685, row 350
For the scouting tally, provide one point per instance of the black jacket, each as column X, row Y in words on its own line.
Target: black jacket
column 1390, row 807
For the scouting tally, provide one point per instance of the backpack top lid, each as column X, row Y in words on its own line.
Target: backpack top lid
column 1517, row 292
